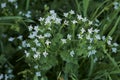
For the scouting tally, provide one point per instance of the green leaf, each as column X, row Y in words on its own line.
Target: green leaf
column 85, row 7
column 35, row 78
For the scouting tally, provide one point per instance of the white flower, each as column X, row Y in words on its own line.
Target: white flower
column 115, row 44
column 47, row 42
column 79, row 36
column 36, row 56
column 28, row 14
column 72, row 53
column 91, row 52
column 95, row 59
column 45, row 54
column 20, row 37
column 82, row 30
column 52, row 11
column 88, row 37
column 36, row 66
column 90, row 22
column 71, row 12
column 63, row 41
column 109, row 42
column 38, row 74
column 24, row 43
column 30, row 28
column 41, row 19
column 58, row 21
column 74, row 21
column 48, row 20
column 38, row 44
column 79, row 17
column 97, row 37
column 84, row 19
column 90, row 30
column 36, row 28
column 36, row 41
column 103, row 38
column 40, row 36
column 89, row 47
column 114, row 50
column 3, row 5
column 11, row 1
column 11, row 39
column 69, row 36
column 65, row 14
column 31, row 36
column 26, row 53
column 109, row 37
column 1, row 76
column 33, row 49
column 96, row 30
column 28, row 45
column 66, row 22
column 47, row 35
column 6, row 77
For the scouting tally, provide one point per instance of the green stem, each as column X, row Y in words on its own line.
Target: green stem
column 91, row 67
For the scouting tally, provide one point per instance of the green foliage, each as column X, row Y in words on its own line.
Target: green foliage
column 68, row 52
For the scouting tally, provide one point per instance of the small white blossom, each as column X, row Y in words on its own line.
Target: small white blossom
column 79, row 17
column 38, row 74
column 28, row 45
column 82, row 30
column 97, row 37
column 36, row 28
column 72, row 53
column 36, row 66
column 47, row 35
column 63, row 41
column 114, row 50
column 41, row 19
column 40, row 36
column 79, row 36
column 66, row 22
column 95, row 59
column 11, row 1
column 65, row 14
column 96, row 30
column 88, row 37
column 89, row 47
column 11, row 39
column 74, row 21
column 71, row 12
column 115, row 44
column 91, row 52
column 36, row 56
column 20, row 37
column 26, row 53
column 30, row 28
column 109, row 37
column 33, row 49
column 45, row 54
column 90, row 30
column 58, row 21
column 90, row 22
column 109, row 42
column 52, row 11
column 103, row 38
column 84, row 19
column 3, row 5
column 47, row 42
column 1, row 76
column 69, row 36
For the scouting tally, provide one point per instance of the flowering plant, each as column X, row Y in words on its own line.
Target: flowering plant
column 65, row 43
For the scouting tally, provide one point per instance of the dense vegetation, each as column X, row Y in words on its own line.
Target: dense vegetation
column 59, row 40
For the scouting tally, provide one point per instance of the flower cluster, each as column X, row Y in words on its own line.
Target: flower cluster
column 72, row 36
